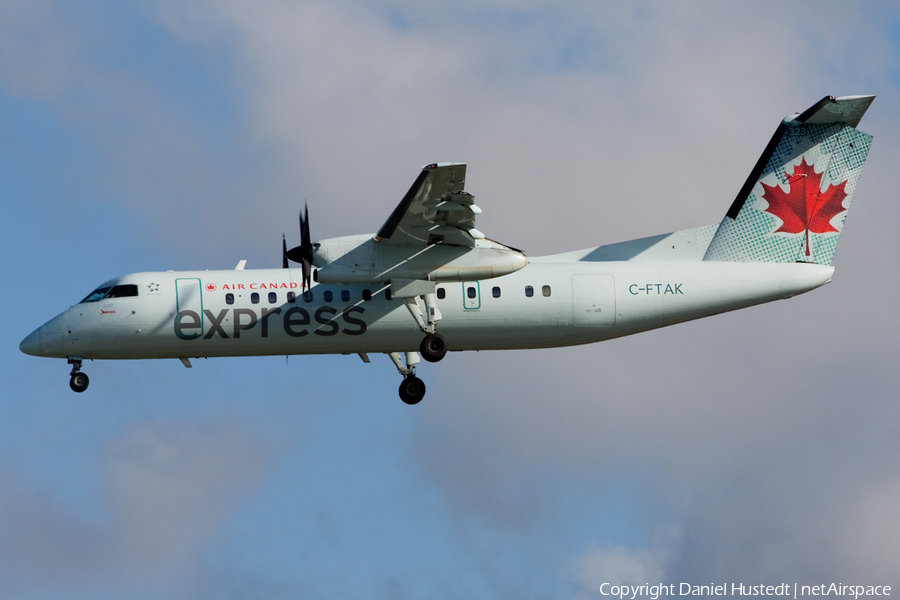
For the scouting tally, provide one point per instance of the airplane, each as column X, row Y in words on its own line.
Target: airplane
column 428, row 281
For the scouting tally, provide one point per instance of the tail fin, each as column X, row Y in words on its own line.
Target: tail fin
column 793, row 206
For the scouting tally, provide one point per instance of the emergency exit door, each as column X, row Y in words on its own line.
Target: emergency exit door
column 471, row 295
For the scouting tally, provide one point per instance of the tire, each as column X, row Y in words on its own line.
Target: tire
column 412, row 390
column 79, row 382
column 433, row 347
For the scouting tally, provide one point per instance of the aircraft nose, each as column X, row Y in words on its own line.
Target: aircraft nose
column 47, row 340
column 32, row 344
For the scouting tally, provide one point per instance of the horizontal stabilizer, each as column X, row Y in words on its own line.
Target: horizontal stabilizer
column 848, row 110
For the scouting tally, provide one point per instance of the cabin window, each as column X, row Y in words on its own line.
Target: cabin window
column 254, row 298
column 327, row 295
column 307, row 296
column 292, row 297
column 367, row 295
column 273, row 297
column 96, row 295
column 229, row 298
column 345, row 295
column 529, row 291
column 441, row 293
column 546, row 291
column 471, row 292
column 123, row 291
column 495, row 292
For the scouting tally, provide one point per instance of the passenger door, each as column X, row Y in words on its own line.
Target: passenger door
column 593, row 300
column 188, row 297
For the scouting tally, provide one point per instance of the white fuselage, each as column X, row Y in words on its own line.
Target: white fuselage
column 428, row 281
column 188, row 314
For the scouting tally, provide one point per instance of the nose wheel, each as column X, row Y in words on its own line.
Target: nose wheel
column 412, row 389
column 78, row 381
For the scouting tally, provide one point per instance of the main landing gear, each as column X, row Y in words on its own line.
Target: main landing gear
column 412, row 389
column 433, row 346
column 78, row 381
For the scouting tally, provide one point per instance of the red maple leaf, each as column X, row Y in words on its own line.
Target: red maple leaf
column 804, row 208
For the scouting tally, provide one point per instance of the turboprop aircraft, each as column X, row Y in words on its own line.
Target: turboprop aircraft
column 428, row 281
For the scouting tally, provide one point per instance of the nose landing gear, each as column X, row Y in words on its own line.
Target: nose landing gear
column 78, row 381
column 412, row 390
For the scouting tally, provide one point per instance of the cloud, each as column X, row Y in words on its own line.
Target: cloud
column 171, row 487
column 340, row 103
column 41, row 540
column 869, row 539
column 671, row 129
column 168, row 491
column 605, row 108
column 766, row 437
column 616, row 566
column 35, row 49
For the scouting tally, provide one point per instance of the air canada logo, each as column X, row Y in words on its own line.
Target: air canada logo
column 210, row 287
column 805, row 208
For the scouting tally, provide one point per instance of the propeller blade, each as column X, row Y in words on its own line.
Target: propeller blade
column 284, row 256
column 305, row 242
column 306, row 270
column 303, row 253
column 306, row 245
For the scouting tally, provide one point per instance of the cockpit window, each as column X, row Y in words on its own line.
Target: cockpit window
column 123, row 291
column 96, row 295
column 115, row 291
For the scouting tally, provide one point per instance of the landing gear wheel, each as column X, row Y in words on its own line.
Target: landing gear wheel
column 79, row 382
column 433, row 347
column 412, row 390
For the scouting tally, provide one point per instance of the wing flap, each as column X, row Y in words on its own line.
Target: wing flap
column 435, row 210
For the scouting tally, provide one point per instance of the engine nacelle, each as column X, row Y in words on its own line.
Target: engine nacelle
column 360, row 259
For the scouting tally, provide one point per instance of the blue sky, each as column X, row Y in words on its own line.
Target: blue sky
column 759, row 445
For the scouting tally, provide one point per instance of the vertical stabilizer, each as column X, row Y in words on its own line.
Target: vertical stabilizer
column 793, row 206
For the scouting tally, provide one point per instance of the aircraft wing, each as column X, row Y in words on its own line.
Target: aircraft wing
column 435, row 210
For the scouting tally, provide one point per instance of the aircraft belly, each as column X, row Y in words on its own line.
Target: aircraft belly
column 497, row 333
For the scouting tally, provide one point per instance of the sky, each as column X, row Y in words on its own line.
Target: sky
column 753, row 447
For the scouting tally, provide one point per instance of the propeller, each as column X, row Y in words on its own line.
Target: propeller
column 303, row 253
